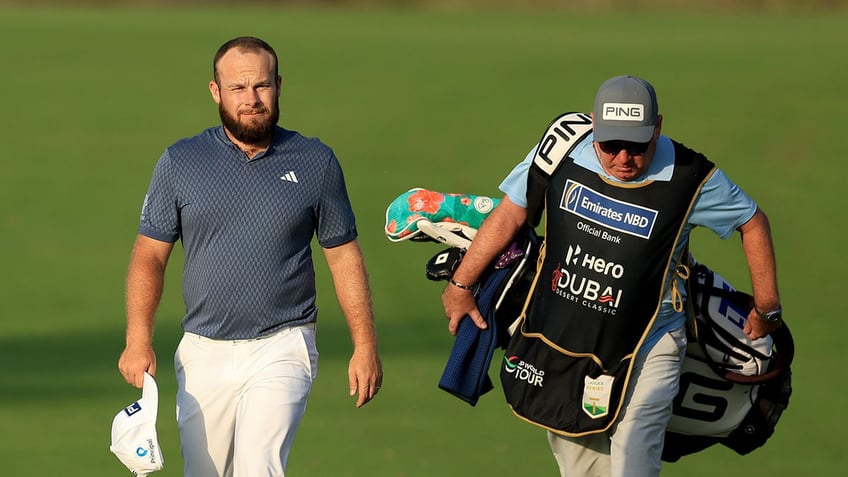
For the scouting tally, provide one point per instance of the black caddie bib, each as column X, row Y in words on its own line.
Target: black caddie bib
column 598, row 288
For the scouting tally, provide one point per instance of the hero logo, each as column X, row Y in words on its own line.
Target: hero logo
column 593, row 263
column 524, row 371
column 585, row 291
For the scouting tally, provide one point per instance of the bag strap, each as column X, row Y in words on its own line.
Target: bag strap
column 564, row 132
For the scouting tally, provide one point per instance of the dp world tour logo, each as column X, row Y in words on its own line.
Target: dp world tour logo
column 522, row 371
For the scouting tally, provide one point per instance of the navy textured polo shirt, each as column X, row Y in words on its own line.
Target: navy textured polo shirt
column 246, row 227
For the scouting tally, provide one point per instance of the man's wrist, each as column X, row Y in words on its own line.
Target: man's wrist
column 462, row 285
column 770, row 316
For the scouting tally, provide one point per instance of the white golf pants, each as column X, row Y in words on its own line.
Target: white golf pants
column 634, row 448
column 239, row 403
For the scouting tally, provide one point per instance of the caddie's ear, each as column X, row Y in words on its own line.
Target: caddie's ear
column 443, row 264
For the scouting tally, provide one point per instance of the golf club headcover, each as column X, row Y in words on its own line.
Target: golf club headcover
column 408, row 210
column 449, row 233
column 443, row 264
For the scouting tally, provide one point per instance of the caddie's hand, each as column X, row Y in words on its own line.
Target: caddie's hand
column 365, row 373
column 756, row 328
column 458, row 303
column 134, row 361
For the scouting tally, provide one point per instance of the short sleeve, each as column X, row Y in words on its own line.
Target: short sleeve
column 722, row 206
column 159, row 212
column 336, row 221
column 515, row 183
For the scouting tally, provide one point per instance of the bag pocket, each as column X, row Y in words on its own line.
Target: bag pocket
column 567, row 394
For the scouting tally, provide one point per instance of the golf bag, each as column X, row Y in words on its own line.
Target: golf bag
column 732, row 391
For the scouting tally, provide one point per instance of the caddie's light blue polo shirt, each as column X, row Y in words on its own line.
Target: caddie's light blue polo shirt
column 721, row 206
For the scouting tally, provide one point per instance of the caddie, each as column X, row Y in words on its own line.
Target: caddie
column 596, row 359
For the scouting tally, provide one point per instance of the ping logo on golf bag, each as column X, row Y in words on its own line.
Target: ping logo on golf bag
column 562, row 134
column 706, row 403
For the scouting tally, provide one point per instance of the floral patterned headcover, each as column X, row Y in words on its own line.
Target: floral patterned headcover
column 414, row 205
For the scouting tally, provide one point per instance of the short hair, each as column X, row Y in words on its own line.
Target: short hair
column 244, row 43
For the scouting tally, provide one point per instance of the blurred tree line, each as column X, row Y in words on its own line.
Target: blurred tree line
column 555, row 4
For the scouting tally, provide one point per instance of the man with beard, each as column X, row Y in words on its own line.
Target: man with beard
column 245, row 199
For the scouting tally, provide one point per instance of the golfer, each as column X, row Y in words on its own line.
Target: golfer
column 246, row 198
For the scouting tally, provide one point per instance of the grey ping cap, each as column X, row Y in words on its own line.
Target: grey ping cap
column 625, row 110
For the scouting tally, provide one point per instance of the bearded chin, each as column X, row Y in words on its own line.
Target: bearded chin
column 255, row 133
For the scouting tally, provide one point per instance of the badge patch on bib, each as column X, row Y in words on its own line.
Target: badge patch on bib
column 596, row 395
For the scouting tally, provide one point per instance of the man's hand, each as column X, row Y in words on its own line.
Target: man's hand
column 365, row 374
column 458, row 303
column 496, row 233
column 134, row 361
column 756, row 328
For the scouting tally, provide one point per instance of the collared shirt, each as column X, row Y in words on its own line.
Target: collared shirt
column 721, row 207
column 246, row 227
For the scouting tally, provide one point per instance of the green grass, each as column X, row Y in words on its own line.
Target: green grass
column 438, row 99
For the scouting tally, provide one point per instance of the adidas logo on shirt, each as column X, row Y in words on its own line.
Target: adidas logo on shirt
column 289, row 176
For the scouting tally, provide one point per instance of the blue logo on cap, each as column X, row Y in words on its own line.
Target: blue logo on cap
column 141, row 452
column 132, row 408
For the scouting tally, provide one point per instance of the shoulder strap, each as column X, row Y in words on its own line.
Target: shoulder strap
column 564, row 132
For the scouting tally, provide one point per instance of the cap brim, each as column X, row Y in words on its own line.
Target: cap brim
column 150, row 394
column 623, row 133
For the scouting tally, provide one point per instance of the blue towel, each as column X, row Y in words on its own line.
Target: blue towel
column 466, row 374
